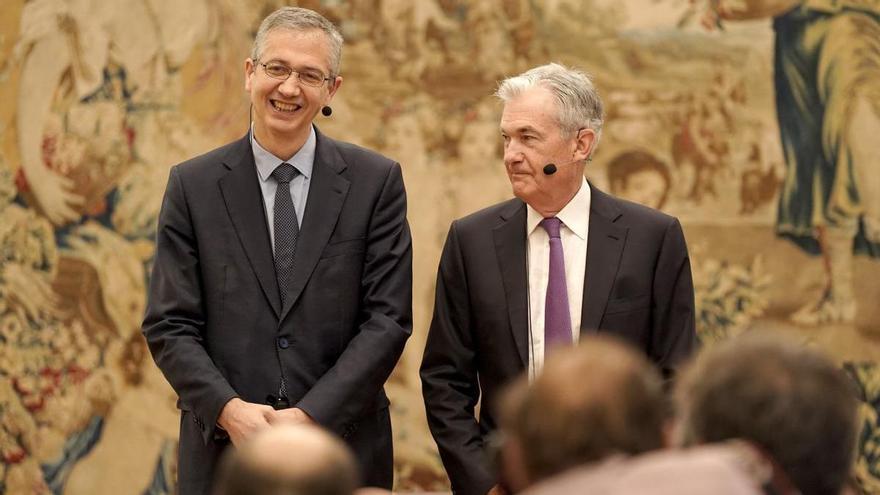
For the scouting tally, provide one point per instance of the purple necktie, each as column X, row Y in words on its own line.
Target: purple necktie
column 557, row 319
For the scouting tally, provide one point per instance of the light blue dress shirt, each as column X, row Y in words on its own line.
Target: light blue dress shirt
column 303, row 160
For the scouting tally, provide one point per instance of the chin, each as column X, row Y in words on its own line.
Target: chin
column 288, row 126
column 522, row 192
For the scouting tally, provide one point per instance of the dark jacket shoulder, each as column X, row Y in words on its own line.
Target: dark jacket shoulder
column 355, row 155
column 628, row 213
column 213, row 160
column 491, row 215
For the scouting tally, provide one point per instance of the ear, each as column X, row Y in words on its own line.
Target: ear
column 249, row 72
column 334, row 87
column 584, row 143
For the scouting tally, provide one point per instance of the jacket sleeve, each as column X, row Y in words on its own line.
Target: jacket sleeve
column 339, row 397
column 174, row 324
column 450, row 380
column 673, row 337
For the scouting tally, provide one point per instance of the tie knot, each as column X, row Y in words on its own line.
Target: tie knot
column 551, row 225
column 284, row 173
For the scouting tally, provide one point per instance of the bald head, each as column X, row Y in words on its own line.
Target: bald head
column 592, row 401
column 289, row 460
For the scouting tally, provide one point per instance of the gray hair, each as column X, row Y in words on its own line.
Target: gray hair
column 300, row 19
column 579, row 103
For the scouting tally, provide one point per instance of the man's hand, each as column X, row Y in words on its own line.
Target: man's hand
column 242, row 419
column 293, row 415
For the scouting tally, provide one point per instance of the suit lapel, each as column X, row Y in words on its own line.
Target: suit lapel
column 327, row 192
column 241, row 192
column 605, row 242
column 510, row 248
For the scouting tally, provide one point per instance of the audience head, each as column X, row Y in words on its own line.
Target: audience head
column 591, row 401
column 787, row 399
column 288, row 460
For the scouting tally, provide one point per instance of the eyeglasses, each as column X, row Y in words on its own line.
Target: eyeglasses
column 308, row 77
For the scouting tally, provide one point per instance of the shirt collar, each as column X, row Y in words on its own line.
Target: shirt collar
column 303, row 160
column 575, row 215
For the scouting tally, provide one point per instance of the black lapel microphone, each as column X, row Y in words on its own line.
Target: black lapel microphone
column 326, row 110
column 551, row 168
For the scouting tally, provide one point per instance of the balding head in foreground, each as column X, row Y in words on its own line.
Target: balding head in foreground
column 289, row 460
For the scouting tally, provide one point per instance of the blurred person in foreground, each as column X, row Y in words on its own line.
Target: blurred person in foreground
column 524, row 277
column 282, row 283
column 594, row 401
column 732, row 468
column 288, row 460
column 603, row 433
column 789, row 401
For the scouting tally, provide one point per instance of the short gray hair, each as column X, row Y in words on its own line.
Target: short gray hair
column 300, row 19
column 579, row 103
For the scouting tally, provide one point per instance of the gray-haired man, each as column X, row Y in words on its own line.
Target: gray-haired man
column 534, row 272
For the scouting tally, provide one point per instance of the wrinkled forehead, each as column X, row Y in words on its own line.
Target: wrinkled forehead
column 512, row 128
column 519, row 122
column 534, row 109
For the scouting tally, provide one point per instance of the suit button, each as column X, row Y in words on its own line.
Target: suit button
column 283, row 343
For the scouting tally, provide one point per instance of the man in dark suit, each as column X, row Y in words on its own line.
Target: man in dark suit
column 282, row 285
column 534, row 272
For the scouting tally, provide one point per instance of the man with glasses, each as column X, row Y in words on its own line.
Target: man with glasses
column 282, row 284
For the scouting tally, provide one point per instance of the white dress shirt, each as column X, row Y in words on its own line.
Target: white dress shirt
column 575, row 217
column 303, row 160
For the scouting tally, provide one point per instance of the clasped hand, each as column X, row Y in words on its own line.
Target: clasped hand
column 241, row 419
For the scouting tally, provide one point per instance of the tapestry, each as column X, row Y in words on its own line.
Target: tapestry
column 754, row 122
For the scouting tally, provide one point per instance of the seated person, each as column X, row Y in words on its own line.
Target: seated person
column 288, row 460
column 790, row 401
column 590, row 402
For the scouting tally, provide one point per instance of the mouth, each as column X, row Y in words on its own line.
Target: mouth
column 283, row 107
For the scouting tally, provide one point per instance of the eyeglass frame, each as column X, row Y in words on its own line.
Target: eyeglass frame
column 291, row 72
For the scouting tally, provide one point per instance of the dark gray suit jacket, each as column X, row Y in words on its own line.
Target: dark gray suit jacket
column 214, row 321
column 637, row 286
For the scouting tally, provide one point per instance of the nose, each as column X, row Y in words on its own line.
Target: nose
column 290, row 86
column 512, row 153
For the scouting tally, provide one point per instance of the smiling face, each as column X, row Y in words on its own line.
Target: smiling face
column 284, row 110
column 532, row 139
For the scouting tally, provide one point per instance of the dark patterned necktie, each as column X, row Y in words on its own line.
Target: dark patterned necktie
column 286, row 228
column 557, row 317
